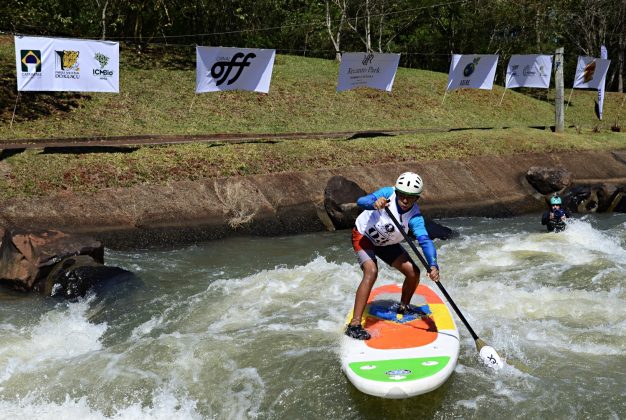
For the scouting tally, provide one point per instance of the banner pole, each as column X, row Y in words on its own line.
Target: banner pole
column 14, row 108
column 192, row 101
column 570, row 98
column 444, row 96
column 506, row 83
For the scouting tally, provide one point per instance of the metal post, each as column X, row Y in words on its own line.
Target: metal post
column 559, row 124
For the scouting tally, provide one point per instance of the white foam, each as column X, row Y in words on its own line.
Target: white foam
column 164, row 406
column 62, row 333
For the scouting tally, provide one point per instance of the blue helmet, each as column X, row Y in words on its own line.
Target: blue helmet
column 556, row 200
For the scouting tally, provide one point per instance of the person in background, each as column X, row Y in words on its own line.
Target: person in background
column 375, row 235
column 555, row 217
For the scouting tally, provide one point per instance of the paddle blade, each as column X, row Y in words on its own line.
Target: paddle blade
column 490, row 358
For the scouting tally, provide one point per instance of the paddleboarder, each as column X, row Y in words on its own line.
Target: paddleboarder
column 555, row 217
column 375, row 236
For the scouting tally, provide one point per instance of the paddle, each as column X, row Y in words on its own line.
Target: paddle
column 487, row 353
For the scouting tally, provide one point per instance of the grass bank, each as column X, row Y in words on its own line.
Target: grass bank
column 36, row 172
column 157, row 97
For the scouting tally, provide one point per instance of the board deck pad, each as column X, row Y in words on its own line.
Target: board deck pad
column 408, row 354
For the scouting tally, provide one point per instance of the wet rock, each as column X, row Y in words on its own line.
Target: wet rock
column 596, row 198
column 340, row 197
column 438, row 231
column 616, row 200
column 549, row 180
column 74, row 276
column 37, row 260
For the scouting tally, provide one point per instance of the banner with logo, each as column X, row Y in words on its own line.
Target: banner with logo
column 74, row 65
column 590, row 72
column 475, row 71
column 375, row 70
column 219, row 69
column 529, row 70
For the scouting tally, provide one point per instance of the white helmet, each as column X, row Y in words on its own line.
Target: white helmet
column 409, row 183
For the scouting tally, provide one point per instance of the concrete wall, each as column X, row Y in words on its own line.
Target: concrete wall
column 285, row 203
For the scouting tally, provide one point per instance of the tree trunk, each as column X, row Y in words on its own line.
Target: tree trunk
column 335, row 38
column 620, row 63
column 103, row 19
column 368, row 36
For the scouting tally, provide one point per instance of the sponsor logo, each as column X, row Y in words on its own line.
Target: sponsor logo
column 514, row 69
column 397, row 372
column 31, row 61
column 589, row 71
column 221, row 69
column 102, row 73
column 367, row 59
column 528, row 71
column 67, row 65
column 471, row 67
column 542, row 71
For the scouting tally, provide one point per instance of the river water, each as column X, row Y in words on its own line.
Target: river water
column 250, row 328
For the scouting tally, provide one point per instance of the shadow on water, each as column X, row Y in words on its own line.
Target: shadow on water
column 115, row 296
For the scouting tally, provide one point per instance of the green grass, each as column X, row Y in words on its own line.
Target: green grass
column 157, row 97
column 154, row 99
column 36, row 173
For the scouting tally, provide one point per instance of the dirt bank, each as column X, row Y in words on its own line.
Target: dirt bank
column 286, row 203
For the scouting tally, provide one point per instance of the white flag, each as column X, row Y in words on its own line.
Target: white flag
column 603, row 55
column 373, row 70
column 58, row 64
column 219, row 69
column 474, row 71
column 529, row 70
column 590, row 72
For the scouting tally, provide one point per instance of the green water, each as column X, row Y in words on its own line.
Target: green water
column 250, row 328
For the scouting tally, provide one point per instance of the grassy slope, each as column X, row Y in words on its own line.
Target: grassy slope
column 157, row 100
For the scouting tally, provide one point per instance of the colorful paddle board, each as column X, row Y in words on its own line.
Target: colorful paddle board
column 407, row 355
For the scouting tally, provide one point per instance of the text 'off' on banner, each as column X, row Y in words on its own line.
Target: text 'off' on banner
column 219, row 69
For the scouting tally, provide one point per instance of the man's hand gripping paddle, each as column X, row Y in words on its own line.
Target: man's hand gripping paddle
column 487, row 353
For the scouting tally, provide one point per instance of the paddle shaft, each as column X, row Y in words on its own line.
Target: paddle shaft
column 428, row 269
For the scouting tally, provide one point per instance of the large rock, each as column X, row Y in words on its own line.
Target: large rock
column 340, row 197
column 74, row 276
column 39, row 260
column 595, row 198
column 549, row 180
column 438, row 231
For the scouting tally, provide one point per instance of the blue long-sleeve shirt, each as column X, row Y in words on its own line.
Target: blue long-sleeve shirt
column 416, row 223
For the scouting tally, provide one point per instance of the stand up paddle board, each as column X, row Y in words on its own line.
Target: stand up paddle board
column 408, row 354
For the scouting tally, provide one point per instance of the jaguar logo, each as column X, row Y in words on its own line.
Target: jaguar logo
column 68, row 60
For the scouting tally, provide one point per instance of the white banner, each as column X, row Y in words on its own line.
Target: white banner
column 475, row 71
column 590, row 72
column 603, row 55
column 75, row 65
column 373, row 70
column 529, row 70
column 219, row 69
